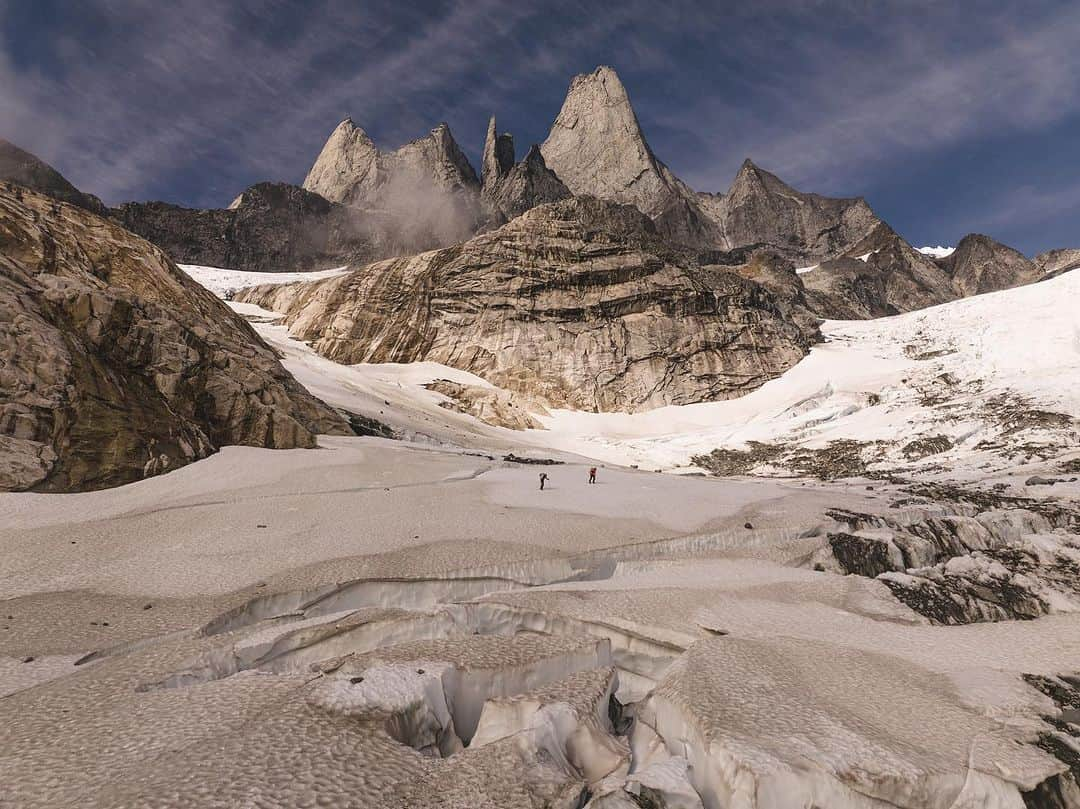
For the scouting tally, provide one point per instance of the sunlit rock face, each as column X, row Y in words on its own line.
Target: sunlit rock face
column 426, row 190
column 596, row 147
column 116, row 365
column 579, row 304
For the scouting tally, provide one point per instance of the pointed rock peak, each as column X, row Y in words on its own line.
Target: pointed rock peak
column 498, row 154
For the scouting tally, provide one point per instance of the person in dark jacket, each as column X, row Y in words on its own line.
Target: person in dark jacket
column 592, row 475
column 543, row 480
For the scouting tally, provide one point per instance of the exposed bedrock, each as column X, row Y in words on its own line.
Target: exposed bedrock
column 997, row 565
column 114, row 365
column 579, row 304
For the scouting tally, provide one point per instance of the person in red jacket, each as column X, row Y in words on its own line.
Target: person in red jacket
column 592, row 475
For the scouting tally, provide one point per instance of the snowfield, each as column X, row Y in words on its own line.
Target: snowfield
column 224, row 283
column 937, row 252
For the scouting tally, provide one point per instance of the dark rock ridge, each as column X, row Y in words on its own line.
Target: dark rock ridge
column 19, row 166
column 579, row 304
column 759, row 208
column 270, row 226
column 115, row 365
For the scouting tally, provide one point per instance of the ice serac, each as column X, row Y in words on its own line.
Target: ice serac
column 269, row 227
column 596, row 147
column 579, row 304
column 19, row 166
column 759, row 208
column 979, row 264
column 116, row 365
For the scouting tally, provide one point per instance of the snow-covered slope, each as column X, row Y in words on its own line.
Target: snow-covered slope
column 987, row 383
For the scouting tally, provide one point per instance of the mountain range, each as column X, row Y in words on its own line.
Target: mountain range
column 584, row 275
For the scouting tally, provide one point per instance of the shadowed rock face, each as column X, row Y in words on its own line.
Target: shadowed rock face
column 980, row 264
column 522, row 187
column 271, row 226
column 115, row 365
column 759, row 208
column 19, row 166
column 578, row 303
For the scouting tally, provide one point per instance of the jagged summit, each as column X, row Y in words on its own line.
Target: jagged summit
column 353, row 170
column 522, row 187
column 498, row 155
column 347, row 167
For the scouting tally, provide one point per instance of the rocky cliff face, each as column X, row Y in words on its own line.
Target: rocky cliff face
column 270, row 226
column 115, row 365
column 579, row 303
column 1055, row 262
column 980, row 264
column 19, row 166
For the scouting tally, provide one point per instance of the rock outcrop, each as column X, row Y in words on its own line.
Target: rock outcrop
column 1055, row 262
column 19, row 166
column 115, row 365
column 979, row 264
column 269, row 227
column 580, row 304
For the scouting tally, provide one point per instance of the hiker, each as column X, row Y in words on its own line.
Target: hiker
column 543, row 479
column 592, row 475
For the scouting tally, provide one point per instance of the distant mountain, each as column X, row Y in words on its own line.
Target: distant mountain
column 19, row 166
column 117, row 366
column 427, row 187
column 596, row 147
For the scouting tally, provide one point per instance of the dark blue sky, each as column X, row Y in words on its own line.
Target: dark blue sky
column 948, row 117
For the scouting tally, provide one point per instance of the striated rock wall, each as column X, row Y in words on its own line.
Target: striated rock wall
column 579, row 303
column 115, row 365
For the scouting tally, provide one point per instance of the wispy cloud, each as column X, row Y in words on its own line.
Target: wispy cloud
column 193, row 99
